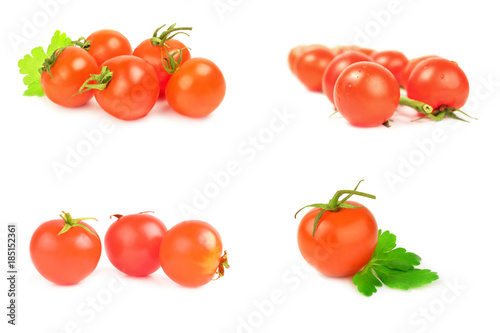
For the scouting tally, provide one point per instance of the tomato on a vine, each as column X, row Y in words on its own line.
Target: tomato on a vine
column 66, row 250
column 127, row 87
column 191, row 254
column 105, row 44
column 156, row 51
column 132, row 243
column 394, row 61
column 338, row 238
column 64, row 72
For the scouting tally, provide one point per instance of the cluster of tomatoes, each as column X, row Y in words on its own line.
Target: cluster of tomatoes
column 364, row 84
column 127, row 83
column 67, row 250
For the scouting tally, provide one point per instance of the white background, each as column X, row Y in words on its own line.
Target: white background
column 444, row 208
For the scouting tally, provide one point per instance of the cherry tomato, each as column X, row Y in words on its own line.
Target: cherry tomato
column 196, row 89
column 71, row 68
column 191, row 253
column 410, row 67
column 394, row 61
column 343, row 243
column 364, row 50
column 366, row 94
column 293, row 54
column 65, row 256
column 310, row 66
column 438, row 82
column 336, row 66
column 106, row 44
column 133, row 90
column 132, row 243
column 154, row 55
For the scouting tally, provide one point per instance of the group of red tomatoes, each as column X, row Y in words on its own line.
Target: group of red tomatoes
column 364, row 84
column 67, row 250
column 127, row 83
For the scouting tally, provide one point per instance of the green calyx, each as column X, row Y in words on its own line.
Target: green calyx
column 335, row 204
column 70, row 222
column 101, row 81
column 51, row 61
column 170, row 64
column 82, row 42
column 167, row 34
column 429, row 112
column 223, row 265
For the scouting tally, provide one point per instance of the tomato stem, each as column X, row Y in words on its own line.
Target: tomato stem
column 445, row 111
column 82, row 42
column 102, row 81
column 166, row 35
column 421, row 107
column 51, row 61
column 70, row 222
column 223, row 265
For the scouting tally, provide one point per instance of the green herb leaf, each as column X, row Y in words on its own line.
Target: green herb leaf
column 31, row 63
column 394, row 267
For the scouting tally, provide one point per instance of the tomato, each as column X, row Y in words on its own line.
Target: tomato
column 132, row 243
column 293, row 54
column 438, row 82
column 336, row 66
column 196, row 89
column 154, row 55
column 344, row 240
column 410, row 67
column 69, row 69
column 106, row 44
column 191, row 253
column 66, row 250
column 394, row 61
column 310, row 66
column 364, row 50
column 366, row 94
column 132, row 91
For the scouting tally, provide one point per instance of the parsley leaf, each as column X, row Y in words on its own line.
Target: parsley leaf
column 31, row 63
column 394, row 267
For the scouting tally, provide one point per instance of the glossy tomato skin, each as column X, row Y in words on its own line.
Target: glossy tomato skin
column 190, row 253
column 293, row 54
column 394, row 61
column 106, row 44
column 132, row 244
column 410, row 67
column 196, row 89
column 344, row 241
column 336, row 66
column 438, row 82
column 310, row 66
column 67, row 258
column 366, row 94
column 71, row 69
column 133, row 90
column 154, row 54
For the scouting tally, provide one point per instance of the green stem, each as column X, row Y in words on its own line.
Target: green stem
column 166, row 35
column 102, row 81
column 70, row 222
column 421, row 107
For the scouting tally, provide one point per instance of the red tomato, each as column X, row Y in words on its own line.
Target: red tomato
column 191, row 253
column 154, row 55
column 394, row 61
column 310, row 66
column 438, row 82
column 343, row 243
column 106, row 44
column 366, row 94
column 196, row 89
column 132, row 243
column 410, row 67
column 69, row 71
column 336, row 66
column 364, row 50
column 67, row 257
column 292, row 56
column 133, row 90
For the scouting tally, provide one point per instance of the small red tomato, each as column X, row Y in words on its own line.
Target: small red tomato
column 132, row 243
column 311, row 64
column 62, row 80
column 394, row 61
column 293, row 54
column 191, row 253
column 106, row 44
column 65, row 251
column 438, row 82
column 410, row 67
column 196, row 89
column 336, row 66
column 366, row 94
